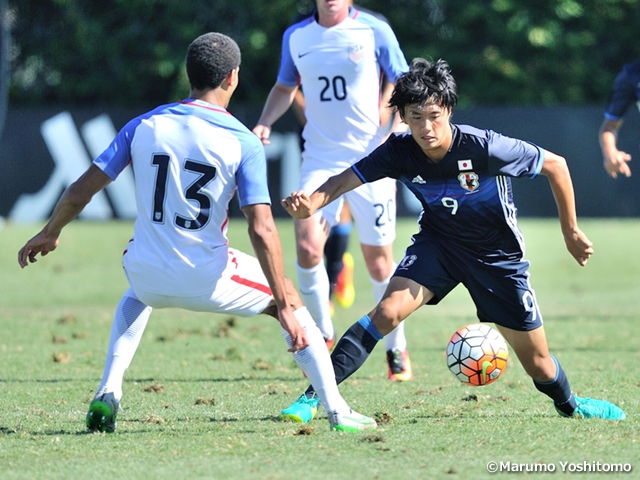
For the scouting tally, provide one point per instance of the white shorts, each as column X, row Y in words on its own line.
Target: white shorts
column 242, row 290
column 373, row 205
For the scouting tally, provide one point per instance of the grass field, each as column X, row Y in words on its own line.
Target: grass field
column 203, row 394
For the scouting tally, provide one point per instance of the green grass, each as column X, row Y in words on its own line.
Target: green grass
column 203, row 394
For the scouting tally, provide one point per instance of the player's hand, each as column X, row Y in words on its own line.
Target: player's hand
column 294, row 329
column 263, row 133
column 41, row 244
column 579, row 246
column 617, row 163
column 298, row 205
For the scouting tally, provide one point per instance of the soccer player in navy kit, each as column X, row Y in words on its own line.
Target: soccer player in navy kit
column 189, row 159
column 468, row 230
column 624, row 92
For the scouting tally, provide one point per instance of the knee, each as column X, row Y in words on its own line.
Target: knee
column 309, row 254
column 385, row 318
column 379, row 261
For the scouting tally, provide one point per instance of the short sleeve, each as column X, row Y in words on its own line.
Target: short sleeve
column 118, row 154
column 390, row 56
column 622, row 95
column 288, row 73
column 251, row 176
column 379, row 163
column 513, row 157
column 388, row 52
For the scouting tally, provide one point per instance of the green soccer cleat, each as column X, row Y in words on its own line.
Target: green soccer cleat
column 102, row 413
column 303, row 410
column 351, row 422
column 592, row 408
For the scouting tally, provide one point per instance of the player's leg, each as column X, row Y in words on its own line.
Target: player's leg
column 339, row 262
column 244, row 291
column 129, row 322
column 313, row 281
column 549, row 377
column 503, row 294
column 397, row 355
column 315, row 361
column 311, row 236
column 423, row 264
column 403, row 296
column 373, row 209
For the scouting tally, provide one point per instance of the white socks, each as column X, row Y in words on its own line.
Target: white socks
column 395, row 339
column 129, row 322
column 313, row 284
column 315, row 361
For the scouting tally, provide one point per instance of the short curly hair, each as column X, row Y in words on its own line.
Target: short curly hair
column 210, row 58
column 425, row 83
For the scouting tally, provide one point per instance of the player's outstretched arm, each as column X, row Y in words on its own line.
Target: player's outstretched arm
column 556, row 170
column 615, row 161
column 279, row 100
column 300, row 205
column 72, row 202
column 266, row 245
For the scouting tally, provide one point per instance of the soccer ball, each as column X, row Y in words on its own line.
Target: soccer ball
column 477, row 354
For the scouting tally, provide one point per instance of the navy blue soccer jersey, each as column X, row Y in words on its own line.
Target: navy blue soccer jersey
column 625, row 91
column 467, row 196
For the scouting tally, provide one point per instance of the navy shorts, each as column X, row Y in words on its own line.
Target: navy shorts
column 500, row 290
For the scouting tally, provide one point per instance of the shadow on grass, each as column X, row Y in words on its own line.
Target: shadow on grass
column 141, row 426
column 250, row 378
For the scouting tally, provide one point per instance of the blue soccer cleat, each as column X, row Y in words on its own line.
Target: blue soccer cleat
column 592, row 408
column 303, row 410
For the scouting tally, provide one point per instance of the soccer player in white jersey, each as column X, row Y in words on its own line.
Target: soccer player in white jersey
column 339, row 57
column 189, row 158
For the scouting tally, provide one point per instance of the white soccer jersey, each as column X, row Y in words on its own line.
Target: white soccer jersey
column 340, row 70
column 188, row 158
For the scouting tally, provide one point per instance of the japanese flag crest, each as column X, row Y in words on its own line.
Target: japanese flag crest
column 356, row 52
column 469, row 181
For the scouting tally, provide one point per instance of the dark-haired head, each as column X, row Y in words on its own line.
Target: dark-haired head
column 210, row 58
column 425, row 83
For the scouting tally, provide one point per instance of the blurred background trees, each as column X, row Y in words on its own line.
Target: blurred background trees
column 131, row 52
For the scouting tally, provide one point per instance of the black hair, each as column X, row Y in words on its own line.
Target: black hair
column 210, row 58
column 425, row 83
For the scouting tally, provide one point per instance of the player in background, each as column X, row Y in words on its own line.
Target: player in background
column 624, row 92
column 468, row 230
column 339, row 263
column 189, row 158
column 339, row 57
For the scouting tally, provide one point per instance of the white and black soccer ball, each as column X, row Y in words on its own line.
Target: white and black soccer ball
column 477, row 354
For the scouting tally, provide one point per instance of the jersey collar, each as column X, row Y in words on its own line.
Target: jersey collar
column 203, row 104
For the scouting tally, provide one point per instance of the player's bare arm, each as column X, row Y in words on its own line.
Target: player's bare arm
column 556, row 170
column 266, row 245
column 300, row 205
column 615, row 161
column 72, row 202
column 279, row 100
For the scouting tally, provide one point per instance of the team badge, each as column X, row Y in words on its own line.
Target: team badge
column 356, row 53
column 469, row 181
column 407, row 261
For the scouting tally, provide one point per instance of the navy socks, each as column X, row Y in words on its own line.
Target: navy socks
column 353, row 349
column 559, row 391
